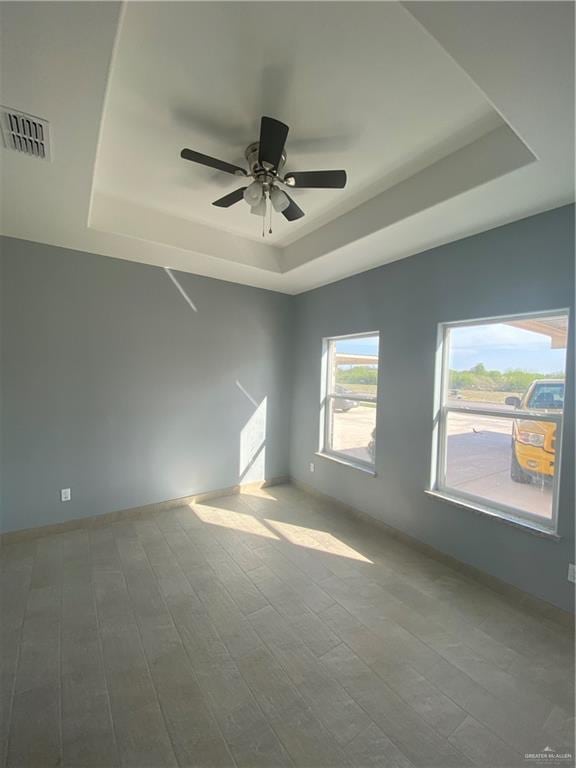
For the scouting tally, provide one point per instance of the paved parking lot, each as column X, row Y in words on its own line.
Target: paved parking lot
column 479, row 453
column 352, row 430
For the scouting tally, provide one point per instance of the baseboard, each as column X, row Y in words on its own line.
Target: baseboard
column 516, row 596
column 95, row 521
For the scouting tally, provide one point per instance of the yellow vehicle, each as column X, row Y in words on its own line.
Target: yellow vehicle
column 534, row 442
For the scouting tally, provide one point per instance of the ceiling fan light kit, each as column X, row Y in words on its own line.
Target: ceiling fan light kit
column 279, row 199
column 260, row 208
column 254, row 193
column 266, row 158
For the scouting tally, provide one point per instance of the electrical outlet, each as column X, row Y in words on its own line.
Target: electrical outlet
column 65, row 494
column 312, row 466
column 572, row 572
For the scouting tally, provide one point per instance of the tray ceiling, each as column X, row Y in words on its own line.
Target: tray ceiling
column 416, row 101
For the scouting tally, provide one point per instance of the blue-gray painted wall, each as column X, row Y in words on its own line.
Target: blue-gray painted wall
column 114, row 386
column 523, row 267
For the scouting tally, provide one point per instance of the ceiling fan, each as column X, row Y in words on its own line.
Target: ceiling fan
column 266, row 159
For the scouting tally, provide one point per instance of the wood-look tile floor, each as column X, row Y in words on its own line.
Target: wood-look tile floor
column 268, row 630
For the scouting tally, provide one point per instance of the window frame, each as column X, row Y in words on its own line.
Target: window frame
column 328, row 347
column 438, row 484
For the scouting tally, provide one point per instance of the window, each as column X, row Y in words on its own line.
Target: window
column 351, row 386
column 499, row 418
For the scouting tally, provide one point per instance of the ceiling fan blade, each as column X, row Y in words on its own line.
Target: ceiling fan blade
column 230, row 199
column 293, row 212
column 212, row 162
column 316, row 179
column 273, row 135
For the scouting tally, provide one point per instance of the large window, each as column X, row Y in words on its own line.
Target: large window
column 351, row 386
column 499, row 415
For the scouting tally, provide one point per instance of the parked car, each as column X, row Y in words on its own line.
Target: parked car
column 345, row 403
column 534, row 442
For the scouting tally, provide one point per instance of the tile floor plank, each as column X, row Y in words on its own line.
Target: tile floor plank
column 483, row 747
column 34, row 740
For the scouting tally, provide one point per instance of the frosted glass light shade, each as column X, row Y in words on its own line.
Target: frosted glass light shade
column 279, row 200
column 253, row 194
column 260, row 208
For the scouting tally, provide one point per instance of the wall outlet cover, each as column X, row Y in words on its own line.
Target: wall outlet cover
column 312, row 466
column 65, row 494
column 572, row 573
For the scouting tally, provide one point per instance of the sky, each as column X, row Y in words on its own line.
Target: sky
column 364, row 346
column 500, row 347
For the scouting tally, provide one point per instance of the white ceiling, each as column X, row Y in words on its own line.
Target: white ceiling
column 200, row 75
column 450, row 118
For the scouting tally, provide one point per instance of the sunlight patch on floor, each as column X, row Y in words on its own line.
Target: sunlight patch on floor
column 257, row 493
column 314, row 539
column 237, row 521
column 298, row 535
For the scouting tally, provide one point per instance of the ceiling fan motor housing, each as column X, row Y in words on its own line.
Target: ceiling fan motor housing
column 256, row 169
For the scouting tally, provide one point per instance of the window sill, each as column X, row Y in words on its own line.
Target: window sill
column 500, row 517
column 346, row 463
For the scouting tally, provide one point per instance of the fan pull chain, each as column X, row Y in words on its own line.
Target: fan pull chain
column 270, row 229
column 264, row 220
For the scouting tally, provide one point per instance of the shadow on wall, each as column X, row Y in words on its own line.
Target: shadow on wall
column 252, row 443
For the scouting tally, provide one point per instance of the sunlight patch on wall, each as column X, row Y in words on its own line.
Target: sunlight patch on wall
column 252, row 465
column 181, row 290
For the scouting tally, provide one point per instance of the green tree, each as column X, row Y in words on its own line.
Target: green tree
column 513, row 380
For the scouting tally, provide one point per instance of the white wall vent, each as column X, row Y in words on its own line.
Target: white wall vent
column 25, row 133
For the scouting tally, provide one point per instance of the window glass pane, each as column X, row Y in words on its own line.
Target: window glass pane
column 352, row 429
column 546, row 395
column 355, row 366
column 507, row 461
column 519, row 362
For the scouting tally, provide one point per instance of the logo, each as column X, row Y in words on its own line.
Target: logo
column 548, row 754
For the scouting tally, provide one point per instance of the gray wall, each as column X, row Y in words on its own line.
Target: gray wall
column 114, row 386
column 526, row 266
